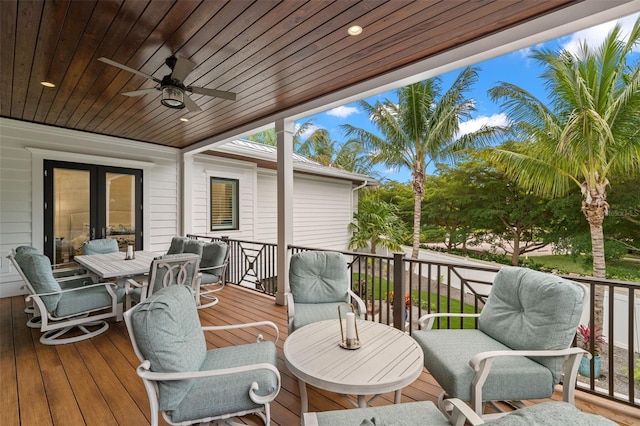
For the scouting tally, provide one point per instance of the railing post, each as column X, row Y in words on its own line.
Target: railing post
column 398, row 291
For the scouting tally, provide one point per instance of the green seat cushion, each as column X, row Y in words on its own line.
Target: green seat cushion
column 168, row 333
column 533, row 310
column 447, row 354
column 215, row 396
column 26, row 249
column 318, row 277
column 87, row 299
column 551, row 414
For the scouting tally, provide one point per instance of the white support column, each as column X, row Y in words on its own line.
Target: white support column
column 284, row 131
column 185, row 202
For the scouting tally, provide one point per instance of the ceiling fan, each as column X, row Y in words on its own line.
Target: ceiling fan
column 171, row 86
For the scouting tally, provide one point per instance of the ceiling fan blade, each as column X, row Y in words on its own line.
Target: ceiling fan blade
column 212, row 92
column 126, row 68
column 141, row 92
column 181, row 69
column 191, row 106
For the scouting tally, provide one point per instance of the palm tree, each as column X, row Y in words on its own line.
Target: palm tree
column 269, row 137
column 350, row 155
column 376, row 225
column 589, row 133
column 423, row 127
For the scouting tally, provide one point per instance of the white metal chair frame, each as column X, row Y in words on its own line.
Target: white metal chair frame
column 54, row 327
column 150, row 378
column 177, row 274
column 482, row 363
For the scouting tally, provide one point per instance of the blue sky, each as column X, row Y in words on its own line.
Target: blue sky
column 516, row 68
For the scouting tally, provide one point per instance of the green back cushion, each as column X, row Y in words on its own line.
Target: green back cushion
column 177, row 245
column 193, row 246
column 103, row 246
column 213, row 254
column 37, row 269
column 528, row 309
column 168, row 333
column 318, row 277
column 26, row 249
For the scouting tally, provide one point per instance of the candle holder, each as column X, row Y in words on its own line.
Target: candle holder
column 349, row 338
column 130, row 254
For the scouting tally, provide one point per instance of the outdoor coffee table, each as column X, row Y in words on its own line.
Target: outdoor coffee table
column 387, row 360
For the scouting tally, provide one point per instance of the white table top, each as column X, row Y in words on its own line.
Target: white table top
column 113, row 265
column 386, row 361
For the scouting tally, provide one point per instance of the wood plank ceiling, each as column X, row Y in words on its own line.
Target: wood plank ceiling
column 273, row 54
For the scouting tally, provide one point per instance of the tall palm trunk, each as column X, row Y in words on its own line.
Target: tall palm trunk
column 418, row 195
column 595, row 208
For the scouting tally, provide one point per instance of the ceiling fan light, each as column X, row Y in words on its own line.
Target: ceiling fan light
column 172, row 97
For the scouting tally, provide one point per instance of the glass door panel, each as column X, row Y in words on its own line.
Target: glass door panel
column 71, row 220
column 121, row 208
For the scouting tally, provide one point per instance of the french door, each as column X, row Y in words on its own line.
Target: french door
column 85, row 202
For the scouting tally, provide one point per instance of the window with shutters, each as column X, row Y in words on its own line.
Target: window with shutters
column 224, row 204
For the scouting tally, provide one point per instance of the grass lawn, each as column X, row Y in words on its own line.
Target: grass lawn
column 627, row 269
column 445, row 305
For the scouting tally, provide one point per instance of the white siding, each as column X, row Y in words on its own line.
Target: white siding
column 321, row 210
column 204, row 167
column 20, row 186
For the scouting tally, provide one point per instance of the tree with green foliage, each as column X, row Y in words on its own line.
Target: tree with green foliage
column 349, row 155
column 422, row 127
column 588, row 133
column 269, row 136
column 376, row 225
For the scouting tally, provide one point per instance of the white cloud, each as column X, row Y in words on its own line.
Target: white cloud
column 308, row 130
column 476, row 123
column 595, row 35
column 342, row 111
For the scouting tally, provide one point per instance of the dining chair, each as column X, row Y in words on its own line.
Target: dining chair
column 319, row 282
column 522, row 347
column 177, row 245
column 213, row 266
column 69, row 304
column 166, row 270
column 100, row 246
column 188, row 383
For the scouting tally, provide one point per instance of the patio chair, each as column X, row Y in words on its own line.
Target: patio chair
column 165, row 270
column 177, row 245
column 425, row 413
column 101, row 246
column 319, row 282
column 68, row 304
column 213, row 265
column 61, row 272
column 187, row 382
column 521, row 348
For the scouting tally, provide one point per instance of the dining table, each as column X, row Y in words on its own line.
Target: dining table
column 116, row 266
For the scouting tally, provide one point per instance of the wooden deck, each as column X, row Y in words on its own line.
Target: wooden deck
column 94, row 382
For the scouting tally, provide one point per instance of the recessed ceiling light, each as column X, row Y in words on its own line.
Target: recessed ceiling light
column 47, row 84
column 185, row 119
column 355, row 30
